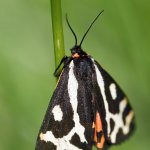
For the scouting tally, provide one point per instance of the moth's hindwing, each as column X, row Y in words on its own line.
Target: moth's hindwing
column 68, row 124
column 116, row 112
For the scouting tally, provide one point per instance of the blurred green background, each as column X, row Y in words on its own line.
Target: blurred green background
column 119, row 40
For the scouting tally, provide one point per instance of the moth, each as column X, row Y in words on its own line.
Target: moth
column 87, row 107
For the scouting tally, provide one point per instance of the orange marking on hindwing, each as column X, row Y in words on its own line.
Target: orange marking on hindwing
column 98, row 122
column 101, row 144
column 98, row 129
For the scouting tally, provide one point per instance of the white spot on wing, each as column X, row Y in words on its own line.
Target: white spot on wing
column 128, row 121
column 113, row 91
column 58, row 114
column 64, row 142
column 117, row 118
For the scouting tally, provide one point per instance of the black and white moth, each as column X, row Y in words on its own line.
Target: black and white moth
column 87, row 107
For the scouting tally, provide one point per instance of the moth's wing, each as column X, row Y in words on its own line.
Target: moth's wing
column 64, row 125
column 116, row 112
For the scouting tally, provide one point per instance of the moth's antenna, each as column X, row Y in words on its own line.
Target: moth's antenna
column 71, row 30
column 90, row 27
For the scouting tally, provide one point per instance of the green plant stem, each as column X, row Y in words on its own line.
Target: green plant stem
column 58, row 38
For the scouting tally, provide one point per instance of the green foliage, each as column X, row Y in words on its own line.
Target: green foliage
column 119, row 40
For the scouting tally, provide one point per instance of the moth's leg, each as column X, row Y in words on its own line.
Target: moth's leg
column 66, row 60
column 56, row 73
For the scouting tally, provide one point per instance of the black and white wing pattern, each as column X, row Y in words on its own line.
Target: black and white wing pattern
column 117, row 114
column 87, row 108
column 67, row 124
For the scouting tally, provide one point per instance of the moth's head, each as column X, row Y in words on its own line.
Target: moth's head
column 77, row 52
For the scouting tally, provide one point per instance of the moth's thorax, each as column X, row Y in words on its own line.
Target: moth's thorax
column 77, row 52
